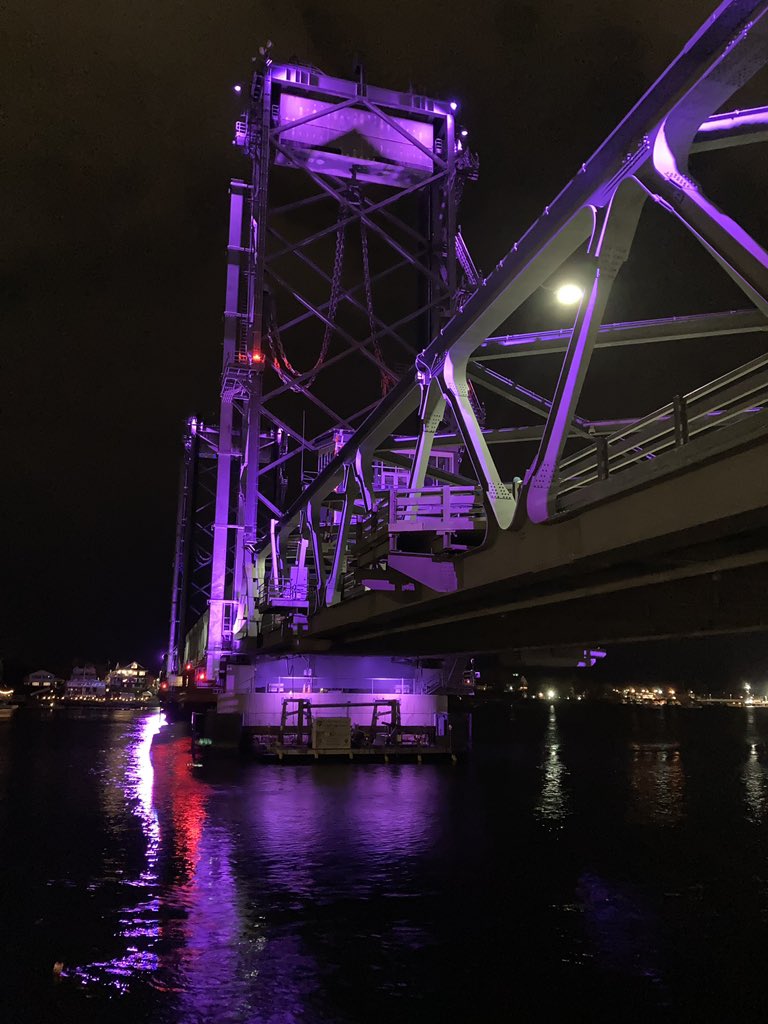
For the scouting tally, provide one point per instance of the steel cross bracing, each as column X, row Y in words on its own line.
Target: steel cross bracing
column 347, row 532
column 645, row 157
column 344, row 259
column 194, row 542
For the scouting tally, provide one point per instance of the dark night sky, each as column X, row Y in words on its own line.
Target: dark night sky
column 118, row 121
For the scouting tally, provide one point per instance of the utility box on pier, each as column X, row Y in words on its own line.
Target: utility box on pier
column 331, row 734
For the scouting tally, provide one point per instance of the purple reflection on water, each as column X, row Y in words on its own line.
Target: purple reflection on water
column 620, row 925
column 305, row 822
column 231, row 872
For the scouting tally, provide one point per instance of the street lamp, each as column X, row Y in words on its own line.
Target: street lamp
column 568, row 294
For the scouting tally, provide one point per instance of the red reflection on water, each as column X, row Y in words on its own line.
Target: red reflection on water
column 180, row 798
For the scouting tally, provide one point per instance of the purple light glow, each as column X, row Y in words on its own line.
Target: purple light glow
column 238, row 88
column 320, row 125
column 454, row 105
column 591, row 658
column 621, row 926
column 464, row 133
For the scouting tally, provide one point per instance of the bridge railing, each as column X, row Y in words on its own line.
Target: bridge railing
column 422, row 510
column 438, row 509
column 285, row 592
column 733, row 396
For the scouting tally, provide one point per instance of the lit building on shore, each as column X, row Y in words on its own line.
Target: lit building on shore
column 41, row 680
column 133, row 678
column 85, row 682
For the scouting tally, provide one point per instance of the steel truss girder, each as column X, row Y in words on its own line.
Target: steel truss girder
column 640, row 332
column 735, row 128
column 646, row 156
column 728, row 48
column 359, row 215
column 500, row 435
column 355, row 216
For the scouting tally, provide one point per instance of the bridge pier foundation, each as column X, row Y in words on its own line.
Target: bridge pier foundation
column 258, row 690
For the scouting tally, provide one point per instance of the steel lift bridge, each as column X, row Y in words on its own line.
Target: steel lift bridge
column 381, row 487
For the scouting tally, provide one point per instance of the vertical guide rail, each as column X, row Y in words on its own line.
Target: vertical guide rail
column 255, row 313
column 220, row 569
column 180, row 585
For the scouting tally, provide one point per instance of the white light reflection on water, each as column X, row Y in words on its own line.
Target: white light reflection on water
column 138, row 788
column 140, row 922
column 657, row 778
column 553, row 803
column 189, row 937
column 753, row 774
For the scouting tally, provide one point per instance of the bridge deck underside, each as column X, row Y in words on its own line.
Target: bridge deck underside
column 684, row 556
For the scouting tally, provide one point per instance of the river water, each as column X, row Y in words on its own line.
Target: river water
column 592, row 862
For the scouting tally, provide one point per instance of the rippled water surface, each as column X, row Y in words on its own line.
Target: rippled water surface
column 597, row 863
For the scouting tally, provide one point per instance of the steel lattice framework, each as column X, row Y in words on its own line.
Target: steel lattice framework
column 344, row 259
column 344, row 533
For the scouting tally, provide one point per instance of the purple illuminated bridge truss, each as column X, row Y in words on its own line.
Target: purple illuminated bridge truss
column 353, row 451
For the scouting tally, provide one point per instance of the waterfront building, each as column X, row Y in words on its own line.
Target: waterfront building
column 85, row 682
column 41, row 680
column 133, row 678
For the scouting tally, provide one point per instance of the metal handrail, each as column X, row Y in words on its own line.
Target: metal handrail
column 734, row 395
column 284, row 588
column 445, row 503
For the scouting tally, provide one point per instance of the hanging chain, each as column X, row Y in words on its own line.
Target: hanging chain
column 280, row 361
column 387, row 377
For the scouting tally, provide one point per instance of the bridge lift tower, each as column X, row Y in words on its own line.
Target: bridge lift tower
column 344, row 261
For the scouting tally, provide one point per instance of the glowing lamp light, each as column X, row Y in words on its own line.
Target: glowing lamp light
column 257, row 357
column 453, row 105
column 569, row 294
column 551, row 694
column 238, row 88
column 464, row 133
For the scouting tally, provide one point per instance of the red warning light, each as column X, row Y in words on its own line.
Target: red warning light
column 189, row 665
column 257, row 357
column 200, row 677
